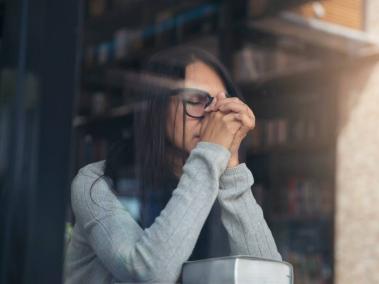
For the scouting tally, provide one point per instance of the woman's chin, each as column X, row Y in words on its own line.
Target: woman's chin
column 193, row 143
column 196, row 140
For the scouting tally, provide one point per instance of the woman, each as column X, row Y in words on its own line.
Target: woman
column 189, row 134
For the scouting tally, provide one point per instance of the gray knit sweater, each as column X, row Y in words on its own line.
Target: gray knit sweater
column 108, row 246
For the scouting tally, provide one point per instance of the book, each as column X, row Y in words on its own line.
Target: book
column 238, row 270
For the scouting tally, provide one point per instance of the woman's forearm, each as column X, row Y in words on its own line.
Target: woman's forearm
column 242, row 217
column 158, row 252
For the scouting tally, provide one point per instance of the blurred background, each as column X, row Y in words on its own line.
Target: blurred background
column 308, row 69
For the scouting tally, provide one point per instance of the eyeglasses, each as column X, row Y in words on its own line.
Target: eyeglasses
column 194, row 101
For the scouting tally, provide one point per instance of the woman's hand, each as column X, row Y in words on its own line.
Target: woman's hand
column 220, row 128
column 243, row 114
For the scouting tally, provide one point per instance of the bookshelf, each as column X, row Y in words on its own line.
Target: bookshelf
column 294, row 141
column 290, row 84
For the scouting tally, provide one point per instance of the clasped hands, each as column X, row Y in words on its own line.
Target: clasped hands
column 227, row 122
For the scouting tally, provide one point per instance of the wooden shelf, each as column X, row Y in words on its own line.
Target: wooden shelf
column 101, row 28
column 137, row 56
column 285, row 79
column 118, row 112
column 300, row 218
column 292, row 148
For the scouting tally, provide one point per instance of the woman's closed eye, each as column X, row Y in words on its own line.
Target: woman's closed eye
column 194, row 102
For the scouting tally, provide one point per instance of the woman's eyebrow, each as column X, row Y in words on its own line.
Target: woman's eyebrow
column 194, row 85
column 206, row 88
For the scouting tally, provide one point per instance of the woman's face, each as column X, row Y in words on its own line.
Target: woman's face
column 198, row 75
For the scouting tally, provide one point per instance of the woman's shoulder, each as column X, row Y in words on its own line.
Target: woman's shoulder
column 92, row 170
column 87, row 177
column 90, row 188
column 92, row 198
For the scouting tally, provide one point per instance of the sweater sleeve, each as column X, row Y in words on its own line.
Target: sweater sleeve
column 157, row 253
column 242, row 217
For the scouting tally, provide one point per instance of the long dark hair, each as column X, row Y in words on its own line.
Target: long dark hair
column 152, row 148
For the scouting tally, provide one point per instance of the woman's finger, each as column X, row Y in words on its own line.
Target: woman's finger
column 212, row 107
column 243, row 122
column 220, row 96
column 222, row 101
column 236, row 107
column 234, row 100
column 232, row 117
column 247, row 122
